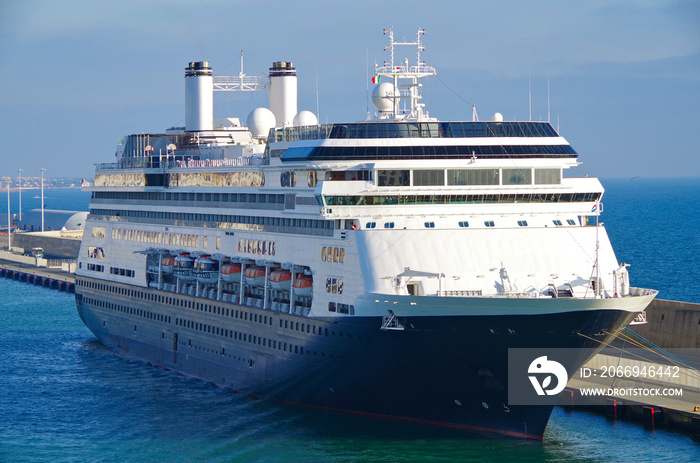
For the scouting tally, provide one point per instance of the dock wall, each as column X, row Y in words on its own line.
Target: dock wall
column 671, row 324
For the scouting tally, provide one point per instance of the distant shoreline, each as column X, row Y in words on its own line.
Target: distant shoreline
column 36, row 188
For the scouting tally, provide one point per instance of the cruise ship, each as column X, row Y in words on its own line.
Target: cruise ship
column 383, row 267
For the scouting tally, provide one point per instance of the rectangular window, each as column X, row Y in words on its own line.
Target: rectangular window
column 98, row 232
column 517, row 176
column 472, row 177
column 393, row 178
column 547, row 176
column 428, row 177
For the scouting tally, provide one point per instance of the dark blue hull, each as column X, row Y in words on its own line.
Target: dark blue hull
column 448, row 371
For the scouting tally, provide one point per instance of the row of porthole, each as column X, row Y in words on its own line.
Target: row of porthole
column 231, row 334
column 311, row 329
column 238, row 336
column 130, row 310
column 465, row 224
column 253, row 339
column 239, row 314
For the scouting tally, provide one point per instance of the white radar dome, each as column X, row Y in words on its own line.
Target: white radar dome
column 497, row 117
column 260, row 121
column 382, row 96
column 304, row 118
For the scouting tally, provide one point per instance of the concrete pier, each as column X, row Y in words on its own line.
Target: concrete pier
column 40, row 276
column 670, row 325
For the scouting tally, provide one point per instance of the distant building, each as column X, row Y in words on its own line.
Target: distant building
column 53, row 220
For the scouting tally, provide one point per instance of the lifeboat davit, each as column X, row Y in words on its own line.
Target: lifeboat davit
column 255, row 276
column 205, row 269
column 231, row 273
column 166, row 264
column 183, row 267
column 303, row 285
column 281, row 279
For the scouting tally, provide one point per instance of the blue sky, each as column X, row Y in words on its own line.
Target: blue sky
column 624, row 77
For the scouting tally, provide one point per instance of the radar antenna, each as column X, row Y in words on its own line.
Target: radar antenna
column 408, row 91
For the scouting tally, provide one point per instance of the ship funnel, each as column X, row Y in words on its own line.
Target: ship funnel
column 199, row 97
column 283, row 92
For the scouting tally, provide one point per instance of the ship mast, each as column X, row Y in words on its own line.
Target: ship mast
column 408, row 91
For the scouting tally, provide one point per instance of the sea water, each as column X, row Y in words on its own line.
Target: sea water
column 66, row 398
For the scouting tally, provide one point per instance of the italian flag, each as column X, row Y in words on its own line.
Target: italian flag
column 375, row 79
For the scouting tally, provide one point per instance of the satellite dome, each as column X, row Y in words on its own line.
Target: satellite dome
column 497, row 117
column 260, row 121
column 382, row 96
column 304, row 118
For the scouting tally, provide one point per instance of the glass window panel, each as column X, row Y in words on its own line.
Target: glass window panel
column 444, row 130
column 547, row 176
column 457, row 129
column 482, row 177
column 428, row 177
column 432, row 128
column 393, row 178
column 517, row 176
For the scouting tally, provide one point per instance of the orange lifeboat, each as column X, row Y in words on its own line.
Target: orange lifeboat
column 303, row 285
column 255, row 276
column 281, row 279
column 231, row 273
column 166, row 264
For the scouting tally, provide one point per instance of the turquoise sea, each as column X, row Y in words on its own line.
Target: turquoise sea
column 66, row 398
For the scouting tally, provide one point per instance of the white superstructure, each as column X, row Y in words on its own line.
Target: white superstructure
column 417, row 207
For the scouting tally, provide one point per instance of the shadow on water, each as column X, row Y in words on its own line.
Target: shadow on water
column 157, row 412
column 167, row 406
